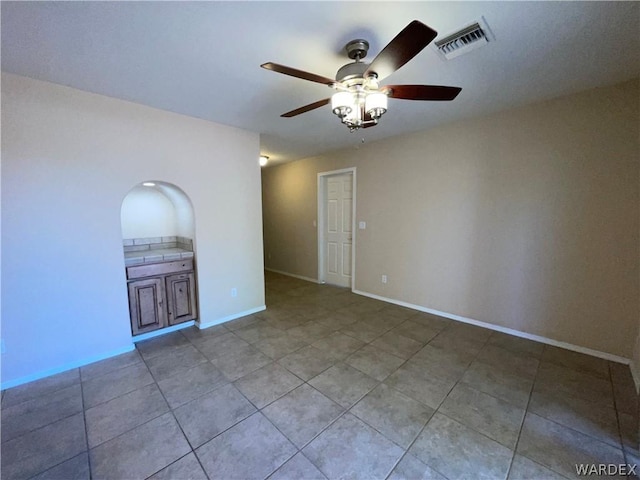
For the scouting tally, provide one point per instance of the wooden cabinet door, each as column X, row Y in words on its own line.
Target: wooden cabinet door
column 181, row 297
column 147, row 305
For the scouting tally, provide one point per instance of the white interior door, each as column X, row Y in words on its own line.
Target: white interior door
column 338, row 229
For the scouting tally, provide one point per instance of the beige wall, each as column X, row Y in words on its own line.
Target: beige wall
column 68, row 160
column 526, row 219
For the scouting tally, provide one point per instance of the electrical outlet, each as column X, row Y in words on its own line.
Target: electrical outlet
column 234, row 292
column 384, row 279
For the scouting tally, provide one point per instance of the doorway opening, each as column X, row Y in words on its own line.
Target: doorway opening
column 336, row 227
column 158, row 232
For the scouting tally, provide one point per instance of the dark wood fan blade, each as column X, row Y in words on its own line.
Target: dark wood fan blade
column 422, row 92
column 406, row 45
column 306, row 108
column 312, row 77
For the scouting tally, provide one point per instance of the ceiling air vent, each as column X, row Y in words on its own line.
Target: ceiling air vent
column 463, row 41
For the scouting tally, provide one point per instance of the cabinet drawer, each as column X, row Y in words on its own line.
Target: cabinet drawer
column 153, row 269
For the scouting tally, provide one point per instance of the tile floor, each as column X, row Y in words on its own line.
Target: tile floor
column 324, row 384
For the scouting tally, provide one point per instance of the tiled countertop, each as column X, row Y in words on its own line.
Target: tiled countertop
column 157, row 255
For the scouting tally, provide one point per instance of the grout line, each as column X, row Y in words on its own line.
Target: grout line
column 524, row 417
column 437, row 409
column 618, row 421
column 59, row 420
column 86, row 431
column 171, row 410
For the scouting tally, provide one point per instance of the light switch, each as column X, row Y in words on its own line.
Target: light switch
column 362, row 225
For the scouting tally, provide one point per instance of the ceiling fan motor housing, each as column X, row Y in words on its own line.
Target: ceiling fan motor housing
column 352, row 71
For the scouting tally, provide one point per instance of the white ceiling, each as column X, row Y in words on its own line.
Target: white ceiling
column 202, row 58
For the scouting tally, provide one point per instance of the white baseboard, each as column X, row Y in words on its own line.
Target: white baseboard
column 65, row 367
column 308, row 279
column 228, row 318
column 510, row 331
column 128, row 348
column 163, row 331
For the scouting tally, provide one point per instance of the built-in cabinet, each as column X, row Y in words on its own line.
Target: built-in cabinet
column 161, row 295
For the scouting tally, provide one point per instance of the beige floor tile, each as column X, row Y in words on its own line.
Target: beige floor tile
column 351, row 449
column 185, row 468
column 212, row 413
column 564, row 381
column 580, row 362
column 40, row 388
column 241, row 362
column 429, row 390
column 196, row 335
column 457, row 451
column 196, row 381
column 258, row 331
column 310, row 331
column 416, row 331
column 76, row 468
column 498, row 382
column 267, row 384
column 343, row 384
column 516, row 344
column 410, row 468
column 44, row 448
column 182, row 359
column 110, row 419
column 93, row 370
column 488, row 415
column 221, row 345
column 524, row 469
column 299, row 467
column 621, row 375
column 374, row 362
column 338, row 345
column 302, row 414
column 116, row 383
column 40, row 411
column 516, row 363
column 363, row 331
column 161, row 345
column 141, row 452
column 253, row 448
column 396, row 344
column 589, row 418
column 395, row 415
column 281, row 346
column 560, row 448
column 307, row 362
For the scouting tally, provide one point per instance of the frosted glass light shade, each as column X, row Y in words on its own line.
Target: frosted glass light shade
column 376, row 104
column 342, row 103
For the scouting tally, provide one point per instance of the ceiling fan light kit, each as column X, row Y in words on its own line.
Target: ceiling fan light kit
column 360, row 101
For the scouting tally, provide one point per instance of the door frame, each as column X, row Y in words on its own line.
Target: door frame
column 322, row 197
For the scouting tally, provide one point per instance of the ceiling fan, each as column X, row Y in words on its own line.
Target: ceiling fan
column 360, row 101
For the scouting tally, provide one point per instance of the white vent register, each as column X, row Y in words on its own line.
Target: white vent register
column 464, row 40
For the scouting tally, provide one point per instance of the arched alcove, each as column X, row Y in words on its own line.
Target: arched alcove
column 157, row 209
column 158, row 231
